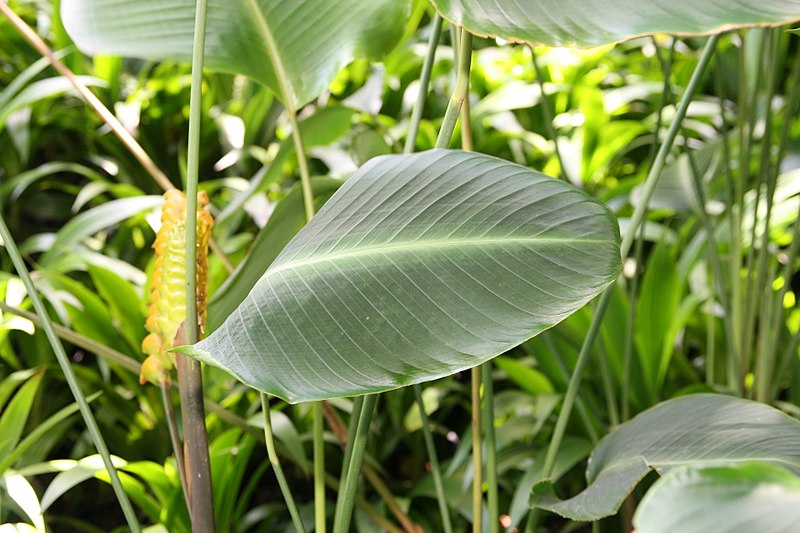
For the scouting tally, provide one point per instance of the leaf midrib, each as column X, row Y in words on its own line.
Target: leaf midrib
column 412, row 246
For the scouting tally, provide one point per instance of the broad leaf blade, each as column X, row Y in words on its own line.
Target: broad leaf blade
column 588, row 23
column 699, row 429
column 728, row 499
column 419, row 266
column 314, row 38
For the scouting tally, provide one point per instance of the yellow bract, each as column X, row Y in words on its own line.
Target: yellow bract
column 166, row 308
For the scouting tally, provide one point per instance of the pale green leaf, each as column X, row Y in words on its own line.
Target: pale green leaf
column 722, row 499
column 418, row 267
column 699, row 429
column 313, row 39
column 592, row 22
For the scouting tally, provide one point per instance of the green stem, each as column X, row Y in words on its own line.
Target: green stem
column 276, row 465
column 424, row 83
column 190, row 373
column 347, row 493
column 320, row 520
column 441, row 498
column 638, row 215
column 290, row 101
column 355, row 416
column 548, row 116
column 175, row 439
column 460, row 93
column 477, row 460
column 491, row 448
column 69, row 375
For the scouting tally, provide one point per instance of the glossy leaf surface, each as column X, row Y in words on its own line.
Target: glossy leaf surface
column 723, row 499
column 699, row 429
column 418, row 267
column 587, row 23
column 313, row 39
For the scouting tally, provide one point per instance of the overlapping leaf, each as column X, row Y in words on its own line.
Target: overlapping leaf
column 419, row 266
column 700, row 429
column 313, row 39
column 595, row 22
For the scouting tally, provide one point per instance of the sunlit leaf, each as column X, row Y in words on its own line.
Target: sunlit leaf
column 419, row 266
column 314, row 39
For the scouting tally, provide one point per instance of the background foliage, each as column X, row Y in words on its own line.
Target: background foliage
column 706, row 302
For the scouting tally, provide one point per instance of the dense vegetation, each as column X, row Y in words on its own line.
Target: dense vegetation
column 691, row 144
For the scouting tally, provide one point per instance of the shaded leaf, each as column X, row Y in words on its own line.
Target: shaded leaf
column 591, row 22
column 418, row 267
column 314, row 39
column 700, row 429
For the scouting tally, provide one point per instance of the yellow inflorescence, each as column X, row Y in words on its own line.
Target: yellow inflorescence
column 166, row 308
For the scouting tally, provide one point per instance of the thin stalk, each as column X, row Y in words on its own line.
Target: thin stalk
column 355, row 416
column 276, row 465
column 733, row 188
column 638, row 215
column 317, row 419
column 580, row 405
column 287, row 95
column 608, row 386
column 548, row 116
column 763, row 254
column 638, row 250
column 369, row 473
column 460, row 92
column 492, row 501
column 434, row 459
column 69, row 375
column 190, row 374
column 711, row 366
column 477, row 461
column 175, row 439
column 466, row 121
column 424, row 83
column 341, row 522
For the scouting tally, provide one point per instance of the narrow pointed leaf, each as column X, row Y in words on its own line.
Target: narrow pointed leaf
column 700, row 429
column 419, row 266
column 723, row 499
column 587, row 23
column 314, row 39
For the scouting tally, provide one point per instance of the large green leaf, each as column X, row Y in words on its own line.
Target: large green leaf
column 595, row 22
column 722, row 499
column 419, row 266
column 700, row 429
column 313, row 39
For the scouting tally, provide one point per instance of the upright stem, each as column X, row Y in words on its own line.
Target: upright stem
column 477, row 462
column 276, row 465
column 460, row 92
column 491, row 452
column 69, row 375
column 424, row 83
column 441, row 498
column 289, row 100
column 630, row 234
column 348, row 491
column 190, row 375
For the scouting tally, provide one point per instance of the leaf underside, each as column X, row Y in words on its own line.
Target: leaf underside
column 699, row 429
column 314, row 39
column 586, row 23
column 418, row 267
